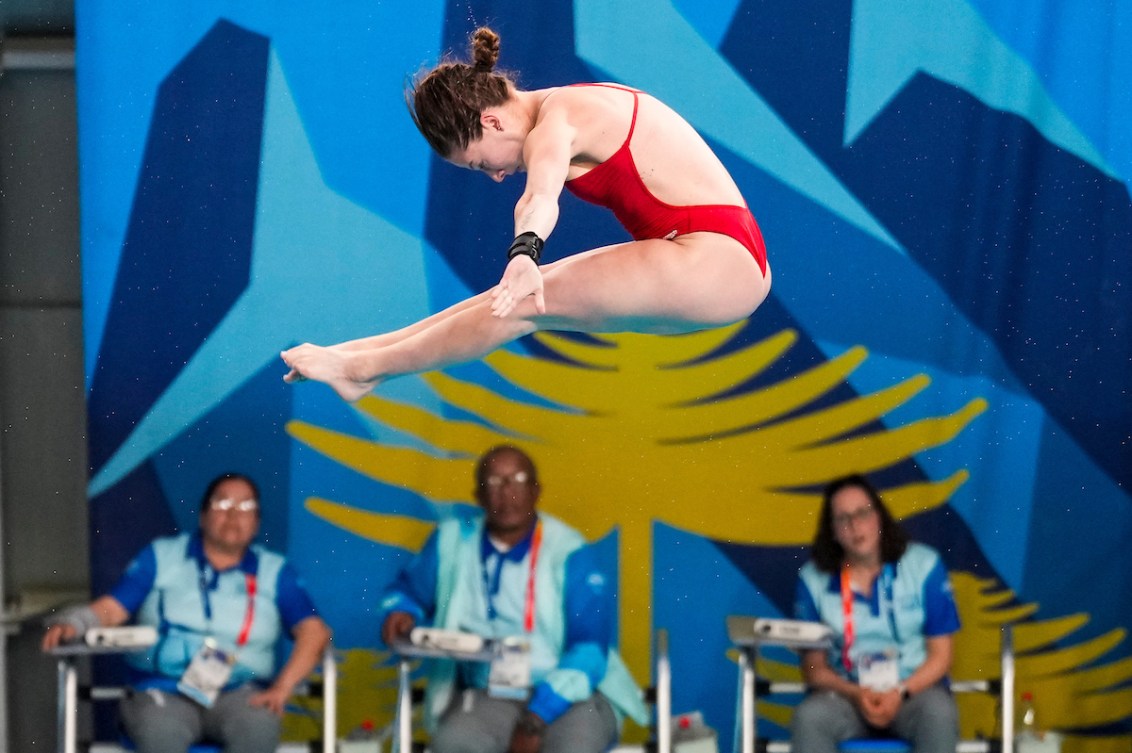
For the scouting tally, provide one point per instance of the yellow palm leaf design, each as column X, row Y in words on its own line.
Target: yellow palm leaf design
column 648, row 428
column 367, row 690
column 1072, row 688
column 403, row 531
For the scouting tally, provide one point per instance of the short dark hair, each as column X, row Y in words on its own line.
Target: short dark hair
column 494, row 452
column 228, row 476
column 828, row 555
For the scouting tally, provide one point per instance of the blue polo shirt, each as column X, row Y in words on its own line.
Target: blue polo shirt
column 910, row 602
column 171, row 586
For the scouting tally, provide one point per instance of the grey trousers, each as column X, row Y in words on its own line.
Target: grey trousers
column 164, row 722
column 478, row 723
column 928, row 720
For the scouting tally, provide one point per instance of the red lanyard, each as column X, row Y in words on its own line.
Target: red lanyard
column 847, row 613
column 529, row 612
column 249, row 616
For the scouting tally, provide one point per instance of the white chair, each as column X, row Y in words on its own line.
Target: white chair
column 749, row 634
column 659, row 695
column 70, row 693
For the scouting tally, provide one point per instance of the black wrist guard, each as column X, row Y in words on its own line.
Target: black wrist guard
column 527, row 244
column 81, row 618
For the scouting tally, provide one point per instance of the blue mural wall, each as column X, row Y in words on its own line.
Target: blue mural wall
column 944, row 191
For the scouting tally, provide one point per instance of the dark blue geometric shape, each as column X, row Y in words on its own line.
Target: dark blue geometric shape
column 1031, row 243
column 795, row 55
column 187, row 251
column 242, row 434
column 1041, row 262
column 1077, row 555
column 123, row 520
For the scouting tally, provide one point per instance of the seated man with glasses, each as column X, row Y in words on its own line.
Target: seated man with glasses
column 506, row 572
column 890, row 605
column 220, row 605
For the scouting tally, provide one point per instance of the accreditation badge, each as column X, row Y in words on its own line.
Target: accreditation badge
column 510, row 675
column 207, row 674
column 878, row 670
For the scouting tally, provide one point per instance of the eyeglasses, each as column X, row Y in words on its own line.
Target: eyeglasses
column 224, row 505
column 844, row 520
column 497, row 482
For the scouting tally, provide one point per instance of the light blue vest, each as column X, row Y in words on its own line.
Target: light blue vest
column 458, row 547
column 175, row 606
column 899, row 616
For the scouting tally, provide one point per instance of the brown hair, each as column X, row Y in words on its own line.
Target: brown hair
column 446, row 103
column 828, row 554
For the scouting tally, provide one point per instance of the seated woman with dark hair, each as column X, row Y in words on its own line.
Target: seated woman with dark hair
column 220, row 605
column 890, row 605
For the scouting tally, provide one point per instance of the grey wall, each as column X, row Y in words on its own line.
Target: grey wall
column 41, row 398
column 42, row 411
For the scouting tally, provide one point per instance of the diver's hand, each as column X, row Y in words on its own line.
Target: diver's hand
column 522, row 278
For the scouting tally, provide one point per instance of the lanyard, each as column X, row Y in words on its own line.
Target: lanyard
column 529, row 611
column 847, row 617
column 249, row 614
column 529, row 603
column 887, row 604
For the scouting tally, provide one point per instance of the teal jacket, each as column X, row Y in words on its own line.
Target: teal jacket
column 571, row 651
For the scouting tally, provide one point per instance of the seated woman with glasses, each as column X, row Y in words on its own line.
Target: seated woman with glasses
column 220, row 604
column 893, row 615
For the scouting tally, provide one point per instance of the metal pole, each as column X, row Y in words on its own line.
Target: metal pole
column 329, row 701
column 748, row 656
column 663, row 694
column 66, row 739
column 404, row 708
column 1007, row 653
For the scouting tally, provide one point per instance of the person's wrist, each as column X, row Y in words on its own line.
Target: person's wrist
column 905, row 694
column 526, row 244
column 531, row 723
column 79, row 619
column 282, row 688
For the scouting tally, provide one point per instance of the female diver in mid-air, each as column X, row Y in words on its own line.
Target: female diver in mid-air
column 697, row 260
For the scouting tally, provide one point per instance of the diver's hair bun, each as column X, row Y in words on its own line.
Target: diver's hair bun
column 447, row 102
column 485, row 49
